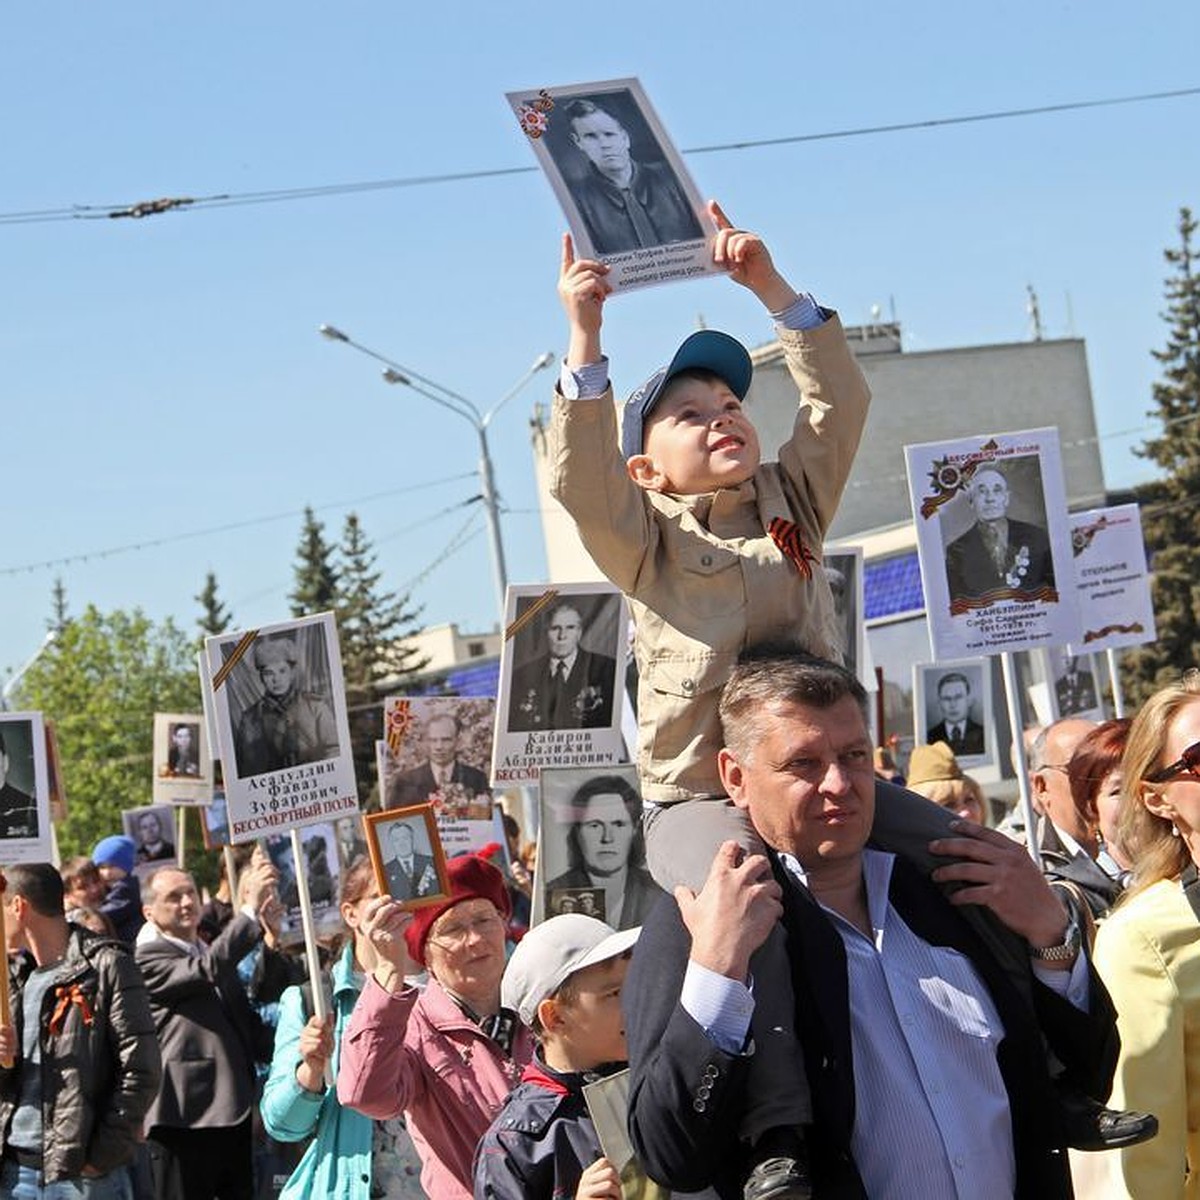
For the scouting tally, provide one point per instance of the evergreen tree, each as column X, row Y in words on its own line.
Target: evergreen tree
column 1169, row 504
column 215, row 617
column 373, row 626
column 59, row 616
column 316, row 586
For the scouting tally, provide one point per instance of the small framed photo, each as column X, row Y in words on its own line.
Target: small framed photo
column 24, row 789
column 182, row 769
column 214, row 822
column 1077, row 684
column 407, row 855
column 153, row 831
column 623, row 186
column 952, row 703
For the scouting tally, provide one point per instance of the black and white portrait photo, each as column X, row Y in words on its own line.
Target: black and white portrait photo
column 214, row 822
column 953, row 704
column 20, row 817
column 153, row 831
column 409, row 863
column 182, row 768
column 279, row 705
column 441, row 757
column 592, row 857
column 564, row 672
column 322, row 872
column 621, row 182
column 844, row 570
column 1076, row 692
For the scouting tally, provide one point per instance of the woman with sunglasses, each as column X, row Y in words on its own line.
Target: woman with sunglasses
column 448, row 1056
column 1148, row 950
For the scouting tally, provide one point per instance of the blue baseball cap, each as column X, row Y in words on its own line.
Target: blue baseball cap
column 707, row 350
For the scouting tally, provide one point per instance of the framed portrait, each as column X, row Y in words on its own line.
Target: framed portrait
column 1112, row 578
column 438, row 751
column 155, row 836
column 182, row 768
column 25, row 832
column 407, row 855
column 994, row 543
column 1075, row 684
column 562, row 676
column 623, row 186
column 279, row 705
column 323, row 872
column 591, row 852
column 214, row 822
column 844, row 569
column 952, row 703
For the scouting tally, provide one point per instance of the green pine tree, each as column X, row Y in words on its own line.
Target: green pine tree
column 373, row 626
column 316, row 579
column 1170, row 503
column 214, row 617
column 59, row 616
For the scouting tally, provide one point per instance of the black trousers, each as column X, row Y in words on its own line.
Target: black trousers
column 202, row 1164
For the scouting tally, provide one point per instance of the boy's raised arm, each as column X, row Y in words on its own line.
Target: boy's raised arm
column 746, row 257
column 582, row 288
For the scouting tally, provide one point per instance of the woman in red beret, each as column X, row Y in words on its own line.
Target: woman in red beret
column 445, row 1057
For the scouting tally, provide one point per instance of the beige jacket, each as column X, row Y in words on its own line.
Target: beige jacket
column 703, row 576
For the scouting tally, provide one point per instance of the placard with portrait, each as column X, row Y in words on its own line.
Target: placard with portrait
column 182, row 766
column 24, row 789
column 155, row 835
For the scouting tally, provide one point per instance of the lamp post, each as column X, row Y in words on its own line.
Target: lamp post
column 10, row 684
column 394, row 373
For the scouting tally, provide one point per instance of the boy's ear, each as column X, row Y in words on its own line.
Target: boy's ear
column 549, row 1016
column 644, row 471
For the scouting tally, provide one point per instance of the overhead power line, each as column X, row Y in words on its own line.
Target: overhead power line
column 146, row 208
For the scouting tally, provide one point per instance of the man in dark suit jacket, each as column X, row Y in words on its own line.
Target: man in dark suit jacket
column 410, row 875
column 18, row 811
column 956, row 728
column 441, row 772
column 1075, row 690
column 566, row 688
column 997, row 558
column 199, row 1125
column 899, row 1070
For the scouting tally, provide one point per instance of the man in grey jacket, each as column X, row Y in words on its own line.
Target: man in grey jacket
column 84, row 1057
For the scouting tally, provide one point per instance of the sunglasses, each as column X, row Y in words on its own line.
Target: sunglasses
column 1187, row 764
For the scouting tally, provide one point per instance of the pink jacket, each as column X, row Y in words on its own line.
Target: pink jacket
column 416, row 1053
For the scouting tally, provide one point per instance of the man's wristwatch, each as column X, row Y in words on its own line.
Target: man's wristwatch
column 1065, row 951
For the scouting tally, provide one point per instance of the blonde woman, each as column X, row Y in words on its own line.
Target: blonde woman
column 1148, row 950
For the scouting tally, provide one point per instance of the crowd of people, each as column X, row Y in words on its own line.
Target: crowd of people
column 838, row 987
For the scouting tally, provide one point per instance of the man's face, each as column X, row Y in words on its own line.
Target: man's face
column 954, row 699
column 1051, row 785
column 808, row 782
column 175, row 907
column 988, row 495
column 149, row 828
column 441, row 741
column 604, row 142
column 276, row 675
column 563, row 632
column 699, row 439
column 605, row 834
column 182, row 737
column 401, row 841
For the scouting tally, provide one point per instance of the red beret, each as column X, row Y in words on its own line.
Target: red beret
column 471, row 878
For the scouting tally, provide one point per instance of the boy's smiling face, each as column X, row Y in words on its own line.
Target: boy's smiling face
column 698, row 439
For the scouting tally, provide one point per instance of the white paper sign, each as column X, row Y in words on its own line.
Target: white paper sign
column 623, row 186
column 994, row 543
column 24, row 790
column 1115, row 606
column 280, row 707
column 562, row 680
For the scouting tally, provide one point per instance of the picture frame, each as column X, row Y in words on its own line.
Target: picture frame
column 601, row 144
column 958, row 692
column 25, row 825
column 155, row 834
column 425, row 880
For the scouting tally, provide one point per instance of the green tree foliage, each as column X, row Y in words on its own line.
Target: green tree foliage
column 316, row 578
column 101, row 681
column 373, row 626
column 214, row 616
column 58, row 615
column 1170, row 504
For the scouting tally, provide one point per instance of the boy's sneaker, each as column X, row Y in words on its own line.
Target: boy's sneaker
column 1091, row 1126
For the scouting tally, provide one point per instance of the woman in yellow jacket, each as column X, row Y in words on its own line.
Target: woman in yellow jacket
column 1148, row 950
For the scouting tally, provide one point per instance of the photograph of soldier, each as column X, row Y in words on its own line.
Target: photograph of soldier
column 153, row 831
column 18, row 804
column 183, row 753
column 440, row 770
column 407, row 855
column 952, row 699
column 1075, row 685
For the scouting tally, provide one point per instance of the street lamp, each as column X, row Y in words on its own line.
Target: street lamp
column 393, row 372
column 10, row 685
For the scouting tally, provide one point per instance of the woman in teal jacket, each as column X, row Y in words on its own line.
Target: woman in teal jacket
column 351, row 1157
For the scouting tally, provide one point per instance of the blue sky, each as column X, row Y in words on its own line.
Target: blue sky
column 164, row 376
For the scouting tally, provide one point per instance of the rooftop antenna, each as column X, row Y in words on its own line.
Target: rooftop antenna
column 1035, row 313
